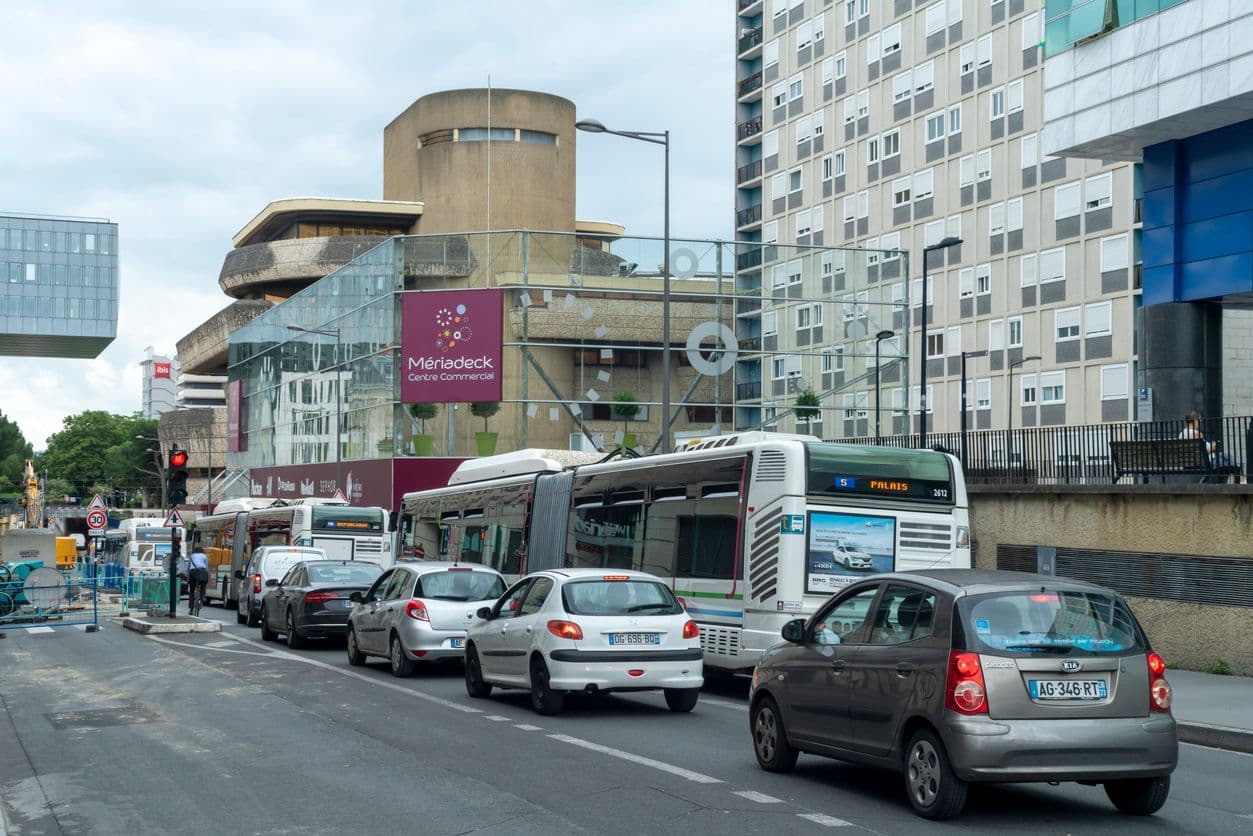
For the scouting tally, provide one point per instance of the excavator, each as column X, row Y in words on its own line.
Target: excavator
column 32, row 497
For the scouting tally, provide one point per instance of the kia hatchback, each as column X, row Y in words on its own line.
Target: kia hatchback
column 957, row 676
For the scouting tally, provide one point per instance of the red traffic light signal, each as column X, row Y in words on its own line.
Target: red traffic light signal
column 178, row 458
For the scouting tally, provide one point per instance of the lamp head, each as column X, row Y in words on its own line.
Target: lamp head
column 885, row 334
column 592, row 126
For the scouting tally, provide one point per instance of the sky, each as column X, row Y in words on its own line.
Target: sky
column 180, row 121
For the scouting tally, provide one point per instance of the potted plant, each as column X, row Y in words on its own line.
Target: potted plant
column 807, row 404
column 626, row 407
column 423, row 444
column 485, row 440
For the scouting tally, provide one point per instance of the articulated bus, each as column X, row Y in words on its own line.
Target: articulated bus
column 751, row 530
column 223, row 535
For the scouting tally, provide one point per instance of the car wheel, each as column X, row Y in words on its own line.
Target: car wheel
column 770, row 743
column 934, row 789
column 680, row 700
column 266, row 633
column 543, row 698
column 1139, row 796
column 252, row 621
column 475, row 685
column 355, row 657
column 402, row 665
column 240, row 618
column 294, row 640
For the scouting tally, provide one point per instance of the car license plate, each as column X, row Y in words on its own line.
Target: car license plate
column 1067, row 689
column 456, row 643
column 634, row 638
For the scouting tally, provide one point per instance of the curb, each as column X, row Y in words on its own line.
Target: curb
column 1216, row 737
column 200, row 625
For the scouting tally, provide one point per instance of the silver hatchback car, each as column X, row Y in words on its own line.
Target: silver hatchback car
column 955, row 676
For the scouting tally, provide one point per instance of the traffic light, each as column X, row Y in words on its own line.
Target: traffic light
column 176, row 476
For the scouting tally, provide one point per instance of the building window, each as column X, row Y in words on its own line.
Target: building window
column 954, row 224
column 1066, row 322
column 802, row 223
column 996, row 335
column 770, row 144
column 872, row 49
column 1028, row 151
column 796, row 87
column 1027, row 387
column 935, row 344
column 966, row 170
column 902, row 87
column 778, row 367
column 863, row 104
column 770, row 323
column 1013, row 92
column 804, row 35
column 795, row 180
column 794, row 272
column 841, row 65
column 935, row 126
column 900, row 191
column 839, row 163
column 819, row 28
column 932, row 232
column 770, row 54
column 1014, row 326
column 833, row 359
column 1027, row 270
column 1053, row 387
column 820, row 119
column 996, row 218
column 850, row 110
column 827, row 168
column 997, row 107
column 983, row 279
column 967, row 58
column 1114, row 253
column 935, row 18
column 891, row 144
column 778, row 95
column 983, row 393
column 923, row 183
column 1114, row 382
column 872, row 150
column 828, row 71
column 1097, row 319
column 983, row 51
column 983, row 165
column 1098, row 191
column 770, row 232
column 1030, row 32
column 891, row 39
column 1013, row 211
column 955, row 119
column 803, row 129
column 1066, row 201
column 924, row 76
column 965, row 283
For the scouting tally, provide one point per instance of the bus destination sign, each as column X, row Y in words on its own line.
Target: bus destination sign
column 885, row 486
column 360, row 525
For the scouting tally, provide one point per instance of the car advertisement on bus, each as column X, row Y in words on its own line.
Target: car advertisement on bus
column 845, row 547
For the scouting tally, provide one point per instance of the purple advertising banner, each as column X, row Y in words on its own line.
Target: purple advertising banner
column 381, row 482
column 451, row 345
column 234, row 416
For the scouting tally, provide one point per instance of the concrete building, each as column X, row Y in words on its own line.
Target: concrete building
column 893, row 125
column 1169, row 86
column 59, row 293
column 160, row 388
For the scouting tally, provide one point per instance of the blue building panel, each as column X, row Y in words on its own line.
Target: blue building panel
column 1215, row 278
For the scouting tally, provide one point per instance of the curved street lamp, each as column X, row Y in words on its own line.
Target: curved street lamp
column 885, row 334
column 944, row 243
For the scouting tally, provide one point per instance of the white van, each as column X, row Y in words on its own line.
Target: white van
column 265, row 563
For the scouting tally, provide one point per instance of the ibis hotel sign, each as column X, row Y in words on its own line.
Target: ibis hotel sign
column 451, row 345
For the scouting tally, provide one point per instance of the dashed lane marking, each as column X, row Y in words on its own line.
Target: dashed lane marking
column 759, row 797
column 528, row 727
column 496, row 718
column 661, row 766
column 824, row 820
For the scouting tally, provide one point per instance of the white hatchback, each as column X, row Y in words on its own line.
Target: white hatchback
column 585, row 630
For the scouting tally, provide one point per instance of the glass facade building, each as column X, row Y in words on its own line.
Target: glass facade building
column 1067, row 22
column 59, row 287
column 582, row 331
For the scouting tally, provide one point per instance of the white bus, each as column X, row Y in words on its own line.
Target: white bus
column 344, row 532
column 750, row 529
column 138, row 545
column 223, row 535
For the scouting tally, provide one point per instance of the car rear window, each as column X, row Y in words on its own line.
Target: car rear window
column 614, row 597
column 460, row 585
column 360, row 573
column 1044, row 622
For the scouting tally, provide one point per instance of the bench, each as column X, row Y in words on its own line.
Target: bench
column 1165, row 457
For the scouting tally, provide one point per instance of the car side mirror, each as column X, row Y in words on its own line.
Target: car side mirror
column 355, row 598
column 239, row 575
column 272, row 582
column 485, row 613
column 794, row 631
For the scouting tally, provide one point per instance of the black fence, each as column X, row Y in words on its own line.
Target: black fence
column 1093, row 454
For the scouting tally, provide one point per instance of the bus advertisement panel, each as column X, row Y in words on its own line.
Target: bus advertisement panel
column 844, row 547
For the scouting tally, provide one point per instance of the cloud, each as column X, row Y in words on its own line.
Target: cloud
column 181, row 121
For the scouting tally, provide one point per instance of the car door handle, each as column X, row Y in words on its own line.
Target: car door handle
column 837, row 666
column 904, row 669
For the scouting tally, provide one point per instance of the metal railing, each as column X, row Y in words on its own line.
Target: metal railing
column 748, row 85
column 748, row 127
column 749, row 40
column 1081, row 455
column 748, row 172
column 750, row 391
column 749, row 215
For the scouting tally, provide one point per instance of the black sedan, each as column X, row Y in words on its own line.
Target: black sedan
column 311, row 600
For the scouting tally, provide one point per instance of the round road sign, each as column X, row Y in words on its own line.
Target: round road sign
column 97, row 519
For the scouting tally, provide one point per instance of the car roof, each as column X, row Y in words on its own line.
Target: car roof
column 423, row 566
column 979, row 581
column 339, row 563
column 297, row 549
column 592, row 572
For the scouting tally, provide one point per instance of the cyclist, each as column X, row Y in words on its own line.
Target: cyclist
column 197, row 578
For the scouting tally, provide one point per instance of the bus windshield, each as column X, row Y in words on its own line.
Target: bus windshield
column 863, row 470
column 344, row 518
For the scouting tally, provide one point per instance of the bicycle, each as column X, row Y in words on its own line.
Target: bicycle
column 196, row 582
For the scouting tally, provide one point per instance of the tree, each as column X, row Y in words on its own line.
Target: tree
column 484, row 410
column 14, row 451
column 99, row 447
column 423, row 412
column 807, row 403
column 626, row 407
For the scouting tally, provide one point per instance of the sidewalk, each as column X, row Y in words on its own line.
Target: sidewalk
column 1214, row 711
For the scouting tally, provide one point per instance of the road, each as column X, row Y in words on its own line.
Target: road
column 221, row 733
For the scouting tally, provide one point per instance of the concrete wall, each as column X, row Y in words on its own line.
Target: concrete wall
column 1209, row 521
column 532, row 184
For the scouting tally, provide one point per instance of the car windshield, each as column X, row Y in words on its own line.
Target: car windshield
column 1050, row 622
column 619, row 597
column 355, row 573
column 460, row 585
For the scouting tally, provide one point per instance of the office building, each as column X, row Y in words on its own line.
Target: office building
column 59, row 290
column 893, row 125
column 159, row 374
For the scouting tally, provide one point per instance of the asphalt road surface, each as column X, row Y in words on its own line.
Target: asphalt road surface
column 117, row 733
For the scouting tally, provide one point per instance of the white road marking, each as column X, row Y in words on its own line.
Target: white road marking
column 496, row 718
column 759, row 797
column 230, row 643
column 160, row 640
column 528, row 727
column 661, row 766
column 824, row 820
column 738, row 706
column 34, row 631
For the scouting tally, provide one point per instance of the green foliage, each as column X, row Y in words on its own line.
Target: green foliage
column 96, row 448
column 14, row 451
column 625, row 406
column 484, row 410
column 1219, row 668
column 423, row 412
column 807, row 403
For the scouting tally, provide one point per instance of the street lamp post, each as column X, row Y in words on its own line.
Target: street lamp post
column 950, row 241
column 1009, row 405
column 339, row 395
column 965, row 354
column 885, row 334
column 661, row 138
column 159, row 465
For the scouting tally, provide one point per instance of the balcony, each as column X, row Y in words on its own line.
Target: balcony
column 745, row 217
column 748, row 172
column 748, row 40
column 748, row 391
column 747, row 305
column 744, row 4
column 747, row 128
column 750, row 344
column 748, row 260
column 748, row 85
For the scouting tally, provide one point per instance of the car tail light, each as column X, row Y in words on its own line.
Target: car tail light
column 417, row 611
column 320, row 597
column 1159, row 688
column 635, row 672
column 965, row 692
column 256, row 583
column 691, row 631
column 566, row 630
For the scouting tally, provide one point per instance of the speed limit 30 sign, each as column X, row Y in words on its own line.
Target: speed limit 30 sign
column 96, row 521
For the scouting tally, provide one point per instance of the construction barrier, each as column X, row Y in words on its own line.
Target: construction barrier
column 46, row 597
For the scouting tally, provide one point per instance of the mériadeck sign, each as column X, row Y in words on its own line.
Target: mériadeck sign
column 451, row 344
